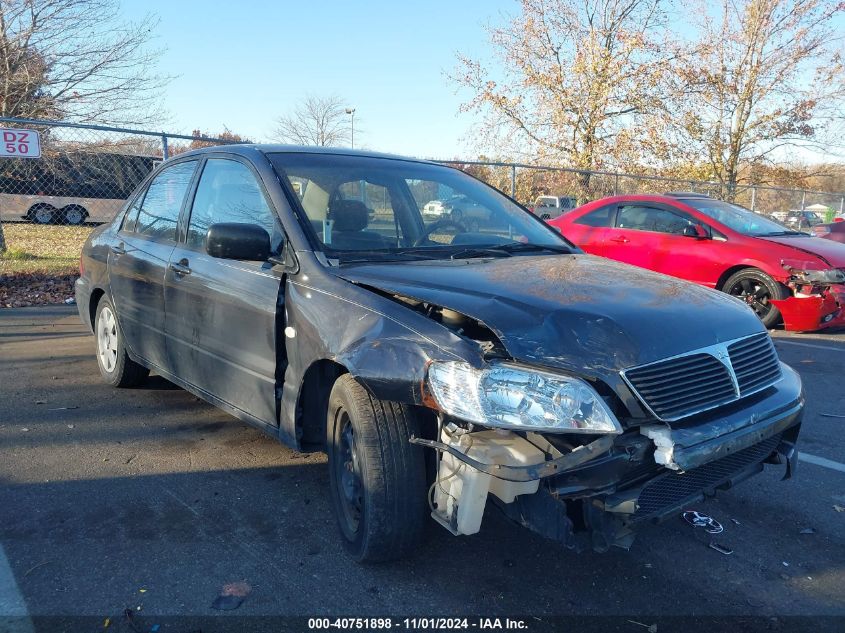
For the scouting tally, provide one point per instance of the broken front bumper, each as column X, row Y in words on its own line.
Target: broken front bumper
column 813, row 312
column 617, row 483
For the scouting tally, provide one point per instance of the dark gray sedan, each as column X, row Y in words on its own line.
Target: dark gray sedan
column 443, row 367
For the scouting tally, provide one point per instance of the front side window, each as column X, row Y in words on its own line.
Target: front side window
column 644, row 218
column 229, row 192
column 159, row 212
column 359, row 207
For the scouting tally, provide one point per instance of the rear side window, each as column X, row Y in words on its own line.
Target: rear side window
column 163, row 200
column 599, row 217
column 229, row 192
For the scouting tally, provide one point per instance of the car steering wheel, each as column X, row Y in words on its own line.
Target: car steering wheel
column 435, row 226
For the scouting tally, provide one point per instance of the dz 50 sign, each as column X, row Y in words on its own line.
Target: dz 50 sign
column 17, row 143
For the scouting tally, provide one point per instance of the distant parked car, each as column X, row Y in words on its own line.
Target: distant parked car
column 834, row 231
column 803, row 219
column 433, row 209
column 466, row 211
column 550, row 207
column 775, row 270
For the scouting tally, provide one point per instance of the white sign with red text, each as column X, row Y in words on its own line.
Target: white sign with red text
column 17, row 143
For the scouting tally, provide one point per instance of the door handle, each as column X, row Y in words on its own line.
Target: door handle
column 181, row 268
column 118, row 249
column 621, row 239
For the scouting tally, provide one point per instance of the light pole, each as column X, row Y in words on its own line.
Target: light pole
column 351, row 113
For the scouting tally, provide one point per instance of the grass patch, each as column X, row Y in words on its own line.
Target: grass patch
column 35, row 248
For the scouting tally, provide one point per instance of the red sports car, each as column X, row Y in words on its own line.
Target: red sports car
column 779, row 272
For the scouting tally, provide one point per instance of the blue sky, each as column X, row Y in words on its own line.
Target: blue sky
column 242, row 64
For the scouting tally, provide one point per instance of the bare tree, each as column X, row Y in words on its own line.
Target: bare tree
column 575, row 74
column 759, row 77
column 316, row 121
column 77, row 60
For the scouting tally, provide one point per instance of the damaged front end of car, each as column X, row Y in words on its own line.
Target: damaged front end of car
column 574, row 467
column 818, row 297
column 574, row 413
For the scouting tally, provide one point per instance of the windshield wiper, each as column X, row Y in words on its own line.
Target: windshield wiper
column 782, row 234
column 479, row 251
column 376, row 256
column 519, row 247
column 507, row 250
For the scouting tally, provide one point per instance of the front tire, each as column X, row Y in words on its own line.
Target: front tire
column 757, row 289
column 117, row 369
column 42, row 214
column 378, row 484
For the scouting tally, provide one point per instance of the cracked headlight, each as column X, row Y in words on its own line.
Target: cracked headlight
column 510, row 397
column 830, row 276
column 806, row 272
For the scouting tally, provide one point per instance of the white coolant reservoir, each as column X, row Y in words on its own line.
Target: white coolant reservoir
column 461, row 490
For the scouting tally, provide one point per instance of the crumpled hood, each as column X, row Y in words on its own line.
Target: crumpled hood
column 578, row 312
column 804, row 248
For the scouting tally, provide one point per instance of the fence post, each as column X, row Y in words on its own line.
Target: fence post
column 803, row 199
column 841, row 205
column 164, row 147
column 616, row 183
column 513, row 182
column 753, row 197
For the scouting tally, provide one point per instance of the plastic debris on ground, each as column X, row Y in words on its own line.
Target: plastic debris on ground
column 231, row 596
column 722, row 549
column 835, row 507
column 701, row 520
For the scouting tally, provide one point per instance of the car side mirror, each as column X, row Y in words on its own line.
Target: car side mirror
column 232, row 240
column 696, row 231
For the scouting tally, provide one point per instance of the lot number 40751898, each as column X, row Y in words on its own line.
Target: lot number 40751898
column 19, row 143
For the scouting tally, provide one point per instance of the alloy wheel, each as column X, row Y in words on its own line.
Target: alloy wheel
column 107, row 339
column 755, row 293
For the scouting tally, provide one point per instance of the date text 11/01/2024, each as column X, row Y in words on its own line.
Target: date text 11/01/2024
column 419, row 623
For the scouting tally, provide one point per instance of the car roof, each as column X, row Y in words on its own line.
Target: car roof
column 674, row 199
column 248, row 149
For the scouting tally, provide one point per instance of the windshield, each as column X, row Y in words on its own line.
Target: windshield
column 360, row 208
column 739, row 218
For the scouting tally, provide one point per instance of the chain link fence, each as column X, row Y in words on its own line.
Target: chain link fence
column 82, row 177
column 85, row 173
column 528, row 183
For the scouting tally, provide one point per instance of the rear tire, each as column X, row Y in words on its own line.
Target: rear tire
column 74, row 215
column 757, row 289
column 378, row 484
column 117, row 369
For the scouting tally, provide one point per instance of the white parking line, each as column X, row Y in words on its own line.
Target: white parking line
column 12, row 605
column 821, row 461
column 830, row 348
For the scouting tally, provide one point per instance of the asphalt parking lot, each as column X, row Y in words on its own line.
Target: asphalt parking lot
column 153, row 501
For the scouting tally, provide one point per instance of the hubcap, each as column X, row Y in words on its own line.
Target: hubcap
column 107, row 339
column 348, row 473
column 73, row 216
column 43, row 216
column 755, row 294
